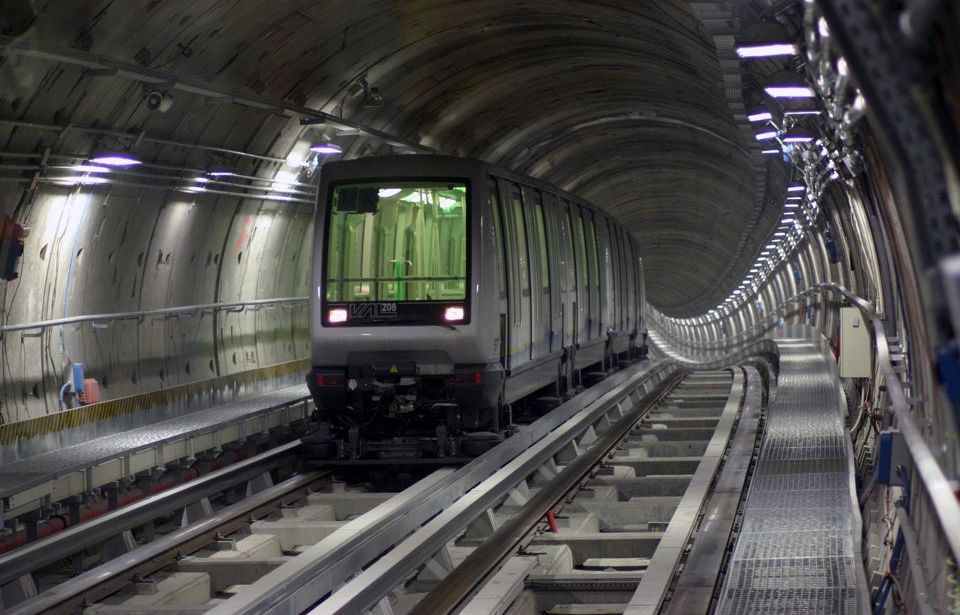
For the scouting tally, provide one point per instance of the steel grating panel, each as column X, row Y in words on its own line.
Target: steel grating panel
column 795, row 550
column 14, row 476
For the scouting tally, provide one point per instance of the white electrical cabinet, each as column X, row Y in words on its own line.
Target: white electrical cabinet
column 856, row 345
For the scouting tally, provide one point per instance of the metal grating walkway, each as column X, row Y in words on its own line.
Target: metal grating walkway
column 795, row 551
column 20, row 475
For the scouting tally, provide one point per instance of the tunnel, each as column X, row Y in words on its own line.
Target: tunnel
column 771, row 187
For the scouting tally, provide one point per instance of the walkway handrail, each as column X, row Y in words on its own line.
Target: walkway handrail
column 935, row 483
column 767, row 321
column 184, row 309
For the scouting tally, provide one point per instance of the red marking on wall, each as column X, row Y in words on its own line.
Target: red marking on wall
column 244, row 234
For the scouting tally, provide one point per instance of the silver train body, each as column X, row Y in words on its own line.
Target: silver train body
column 549, row 288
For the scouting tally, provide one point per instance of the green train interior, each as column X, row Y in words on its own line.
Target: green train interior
column 397, row 241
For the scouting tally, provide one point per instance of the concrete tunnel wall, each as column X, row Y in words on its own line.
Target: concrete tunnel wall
column 96, row 249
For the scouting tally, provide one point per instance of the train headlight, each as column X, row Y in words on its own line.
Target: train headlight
column 337, row 315
column 454, row 313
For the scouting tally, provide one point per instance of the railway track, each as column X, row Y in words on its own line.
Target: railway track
column 612, row 466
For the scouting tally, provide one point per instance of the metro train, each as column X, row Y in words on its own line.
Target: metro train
column 448, row 290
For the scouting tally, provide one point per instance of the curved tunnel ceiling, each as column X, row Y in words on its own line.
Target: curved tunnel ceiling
column 621, row 102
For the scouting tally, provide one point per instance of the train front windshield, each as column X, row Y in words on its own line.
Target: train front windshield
column 397, row 241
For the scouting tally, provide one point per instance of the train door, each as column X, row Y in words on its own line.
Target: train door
column 581, row 327
column 630, row 277
column 557, row 259
column 567, row 274
column 607, row 298
column 500, row 255
column 596, row 317
column 540, row 295
column 518, row 274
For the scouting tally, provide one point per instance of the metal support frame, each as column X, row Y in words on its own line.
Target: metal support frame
column 107, row 578
column 43, row 552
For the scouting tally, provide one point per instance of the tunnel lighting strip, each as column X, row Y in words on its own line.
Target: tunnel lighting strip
column 234, row 306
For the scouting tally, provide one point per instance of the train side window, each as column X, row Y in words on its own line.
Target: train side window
column 498, row 239
column 520, row 228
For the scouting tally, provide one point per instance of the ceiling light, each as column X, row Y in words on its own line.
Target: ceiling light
column 797, row 136
column 85, row 180
column 326, row 148
column 802, row 112
column 767, row 51
column 759, row 114
column 217, row 172
column 385, row 193
column 88, row 168
column 787, row 84
column 794, row 198
column 770, row 151
column 779, row 234
column 764, row 40
column 769, row 134
column 114, row 160
column 796, row 188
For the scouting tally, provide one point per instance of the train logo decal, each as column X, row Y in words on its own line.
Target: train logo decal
column 366, row 311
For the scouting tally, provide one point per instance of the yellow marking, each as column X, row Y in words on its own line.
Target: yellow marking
column 59, row 421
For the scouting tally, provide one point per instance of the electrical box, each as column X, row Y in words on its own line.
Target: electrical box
column 892, row 453
column 856, row 344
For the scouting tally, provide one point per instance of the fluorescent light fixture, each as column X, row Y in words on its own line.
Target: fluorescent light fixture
column 764, row 40
column 794, row 199
column 220, row 173
column 784, row 91
column 767, row 51
column 800, row 112
column 326, row 148
column 770, row 151
column 454, row 313
column 84, row 180
column 796, row 188
column 385, row 193
column 769, row 134
column 759, row 116
column 779, row 234
column 88, row 168
column 337, row 315
column 787, row 84
column 114, row 160
column 797, row 136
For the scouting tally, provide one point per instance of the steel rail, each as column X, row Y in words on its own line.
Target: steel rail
column 43, row 552
column 939, row 488
column 103, row 580
column 301, row 583
column 183, row 309
column 465, row 578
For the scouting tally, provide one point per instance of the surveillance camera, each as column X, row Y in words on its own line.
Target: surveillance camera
column 158, row 101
